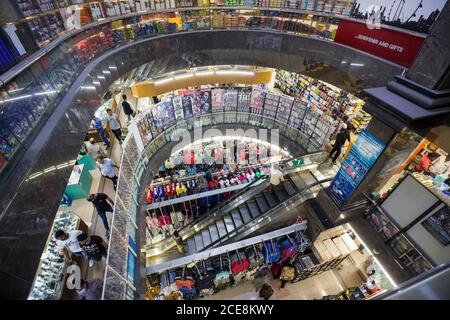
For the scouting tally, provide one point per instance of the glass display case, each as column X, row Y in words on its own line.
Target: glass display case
column 49, row 280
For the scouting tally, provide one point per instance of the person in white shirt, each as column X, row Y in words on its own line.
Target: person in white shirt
column 107, row 170
column 68, row 244
column 276, row 176
column 113, row 122
column 441, row 165
column 94, row 149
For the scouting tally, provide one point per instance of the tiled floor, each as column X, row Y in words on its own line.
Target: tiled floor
column 328, row 283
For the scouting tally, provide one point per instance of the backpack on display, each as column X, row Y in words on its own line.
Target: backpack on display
column 222, row 278
column 184, row 278
column 239, row 262
column 271, row 251
column 288, row 248
column 255, row 256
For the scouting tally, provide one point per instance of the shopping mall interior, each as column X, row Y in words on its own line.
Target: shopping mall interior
column 224, row 150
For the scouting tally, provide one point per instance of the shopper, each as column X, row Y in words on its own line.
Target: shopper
column 91, row 289
column 68, row 244
column 113, row 122
column 98, row 125
column 129, row 112
column 341, row 138
column 266, row 291
column 179, row 241
column 94, row 246
column 106, row 167
column 94, row 149
column 276, row 176
column 102, row 204
column 425, row 161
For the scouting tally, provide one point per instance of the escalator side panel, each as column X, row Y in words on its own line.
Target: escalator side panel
column 289, row 187
column 206, row 237
column 198, row 241
column 191, row 246
column 280, row 193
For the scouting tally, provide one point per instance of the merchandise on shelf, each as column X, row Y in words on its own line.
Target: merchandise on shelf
column 49, row 280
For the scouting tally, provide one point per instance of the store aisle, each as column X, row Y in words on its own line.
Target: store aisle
column 328, row 283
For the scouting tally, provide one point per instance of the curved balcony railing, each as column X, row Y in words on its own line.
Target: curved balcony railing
column 31, row 90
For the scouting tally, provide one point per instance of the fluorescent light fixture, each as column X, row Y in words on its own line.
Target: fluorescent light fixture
column 96, row 82
column 184, row 76
column 204, row 73
column 101, row 77
column 44, row 93
column 243, row 72
column 224, row 72
column 112, row 68
column 343, row 62
column 357, row 64
column 89, row 87
column 106, row 72
column 16, row 90
column 16, row 98
column 376, row 260
column 163, row 81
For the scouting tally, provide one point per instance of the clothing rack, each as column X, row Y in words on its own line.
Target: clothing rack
column 225, row 249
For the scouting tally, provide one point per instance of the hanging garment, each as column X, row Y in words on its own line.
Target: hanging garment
column 149, row 198
column 255, row 256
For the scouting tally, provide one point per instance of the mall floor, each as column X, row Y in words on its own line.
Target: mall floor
column 88, row 214
column 330, row 282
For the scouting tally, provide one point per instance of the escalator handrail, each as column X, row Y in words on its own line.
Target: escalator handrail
column 270, row 211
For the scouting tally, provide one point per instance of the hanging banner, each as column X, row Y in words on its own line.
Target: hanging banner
column 360, row 159
column 395, row 46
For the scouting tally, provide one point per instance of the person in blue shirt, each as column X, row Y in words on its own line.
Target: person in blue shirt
column 98, row 125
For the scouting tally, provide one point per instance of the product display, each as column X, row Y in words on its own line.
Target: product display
column 206, row 277
column 49, row 281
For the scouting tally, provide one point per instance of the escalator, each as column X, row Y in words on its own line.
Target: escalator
column 251, row 214
column 245, row 207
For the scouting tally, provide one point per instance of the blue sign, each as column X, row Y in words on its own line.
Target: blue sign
column 66, row 200
column 359, row 160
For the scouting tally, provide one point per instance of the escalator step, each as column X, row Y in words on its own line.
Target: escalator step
column 245, row 213
column 254, row 209
column 298, row 181
column 228, row 223
column 221, row 228
column 271, row 199
column 191, row 246
column 262, row 204
column 198, row 242
column 214, row 233
column 236, row 218
column 280, row 193
column 289, row 187
column 206, row 237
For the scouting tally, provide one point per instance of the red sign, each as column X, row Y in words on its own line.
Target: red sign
column 395, row 46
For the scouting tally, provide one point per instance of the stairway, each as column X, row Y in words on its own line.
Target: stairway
column 234, row 221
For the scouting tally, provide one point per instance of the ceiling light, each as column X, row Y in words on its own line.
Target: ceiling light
column 204, row 73
column 184, row 76
column 163, row 81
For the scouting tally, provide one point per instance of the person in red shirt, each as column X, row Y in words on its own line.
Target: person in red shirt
column 425, row 161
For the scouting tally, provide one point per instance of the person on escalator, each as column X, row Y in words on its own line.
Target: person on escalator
column 178, row 241
column 276, row 176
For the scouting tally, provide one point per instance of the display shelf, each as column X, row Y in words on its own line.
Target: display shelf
column 48, row 283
